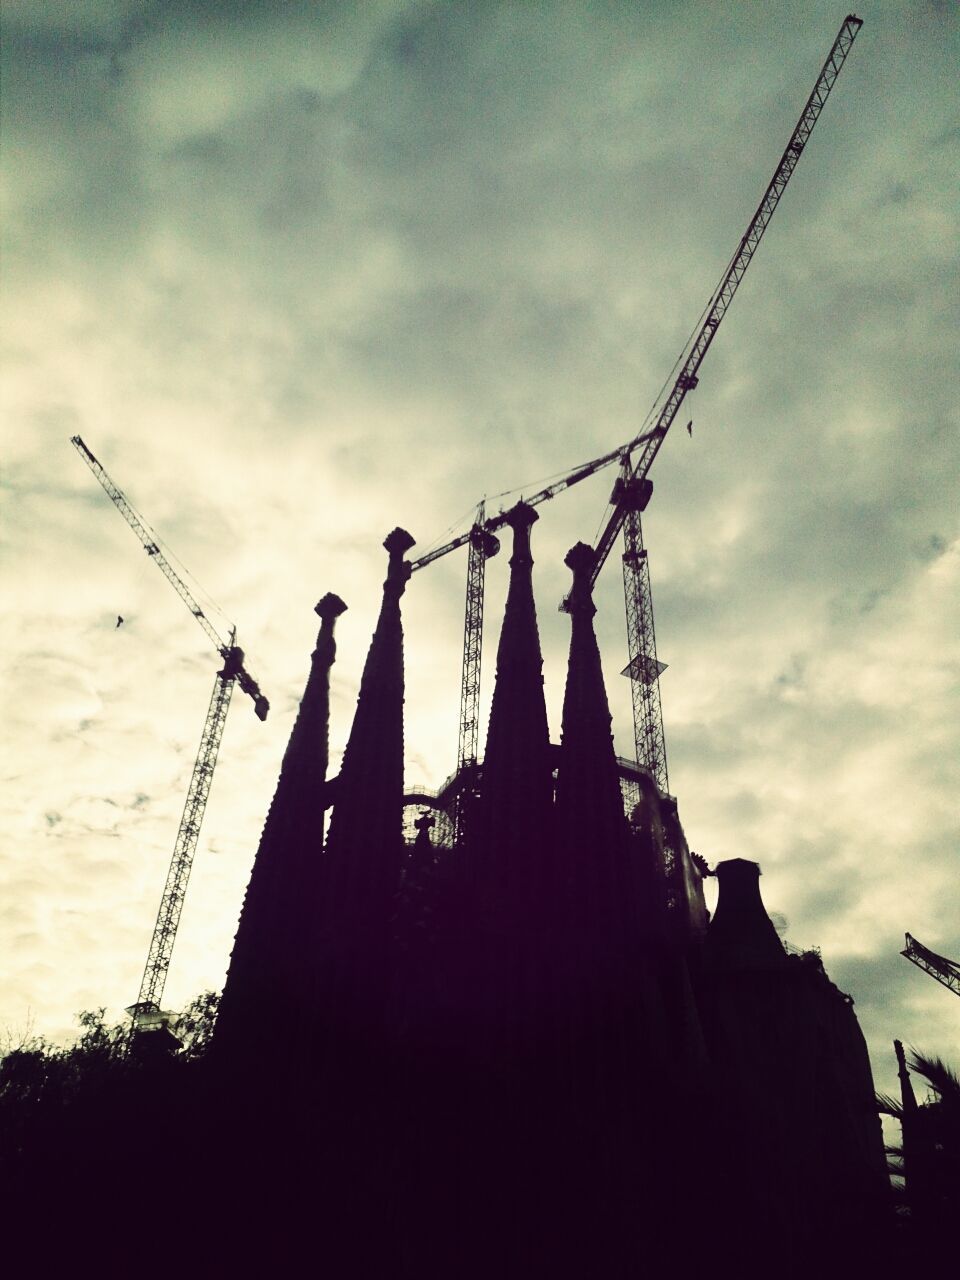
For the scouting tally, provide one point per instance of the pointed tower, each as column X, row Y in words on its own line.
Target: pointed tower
column 514, row 824
column 590, row 815
column 362, row 860
column 267, row 985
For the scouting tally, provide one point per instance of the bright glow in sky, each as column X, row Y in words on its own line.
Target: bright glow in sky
column 299, row 273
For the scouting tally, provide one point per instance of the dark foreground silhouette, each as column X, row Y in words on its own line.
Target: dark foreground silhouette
column 143, row 1164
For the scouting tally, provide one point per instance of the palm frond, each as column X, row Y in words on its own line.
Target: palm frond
column 942, row 1079
column 888, row 1106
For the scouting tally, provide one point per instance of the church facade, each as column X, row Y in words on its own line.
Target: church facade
column 532, row 1052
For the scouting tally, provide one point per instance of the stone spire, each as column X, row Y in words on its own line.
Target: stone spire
column 907, row 1096
column 741, row 934
column 589, row 803
column 304, row 769
column 279, row 915
column 517, row 785
column 364, row 846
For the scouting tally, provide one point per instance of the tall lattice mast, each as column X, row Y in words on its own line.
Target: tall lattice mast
column 643, row 669
column 483, row 545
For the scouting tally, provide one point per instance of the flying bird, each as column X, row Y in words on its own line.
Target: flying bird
column 690, row 427
column 119, row 621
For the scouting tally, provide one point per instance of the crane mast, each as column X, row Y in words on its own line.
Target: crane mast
column 178, row 874
column 483, row 545
column 146, row 1011
column 644, row 670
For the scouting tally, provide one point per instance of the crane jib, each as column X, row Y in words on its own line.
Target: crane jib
column 150, row 544
column 493, row 523
column 723, row 294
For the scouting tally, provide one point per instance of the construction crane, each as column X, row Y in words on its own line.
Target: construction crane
column 632, row 491
column 146, row 1013
column 939, row 967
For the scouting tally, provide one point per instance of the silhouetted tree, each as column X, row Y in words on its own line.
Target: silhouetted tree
column 194, row 1026
column 925, row 1167
column 91, row 1124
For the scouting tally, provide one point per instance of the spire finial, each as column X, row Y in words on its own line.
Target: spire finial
column 580, row 559
column 521, row 518
column 328, row 609
column 398, row 570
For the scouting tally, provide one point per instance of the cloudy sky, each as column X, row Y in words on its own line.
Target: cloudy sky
column 301, row 272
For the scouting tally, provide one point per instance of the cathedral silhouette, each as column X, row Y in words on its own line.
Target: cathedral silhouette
column 529, row 1051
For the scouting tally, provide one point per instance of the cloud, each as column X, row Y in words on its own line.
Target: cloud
column 298, row 275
